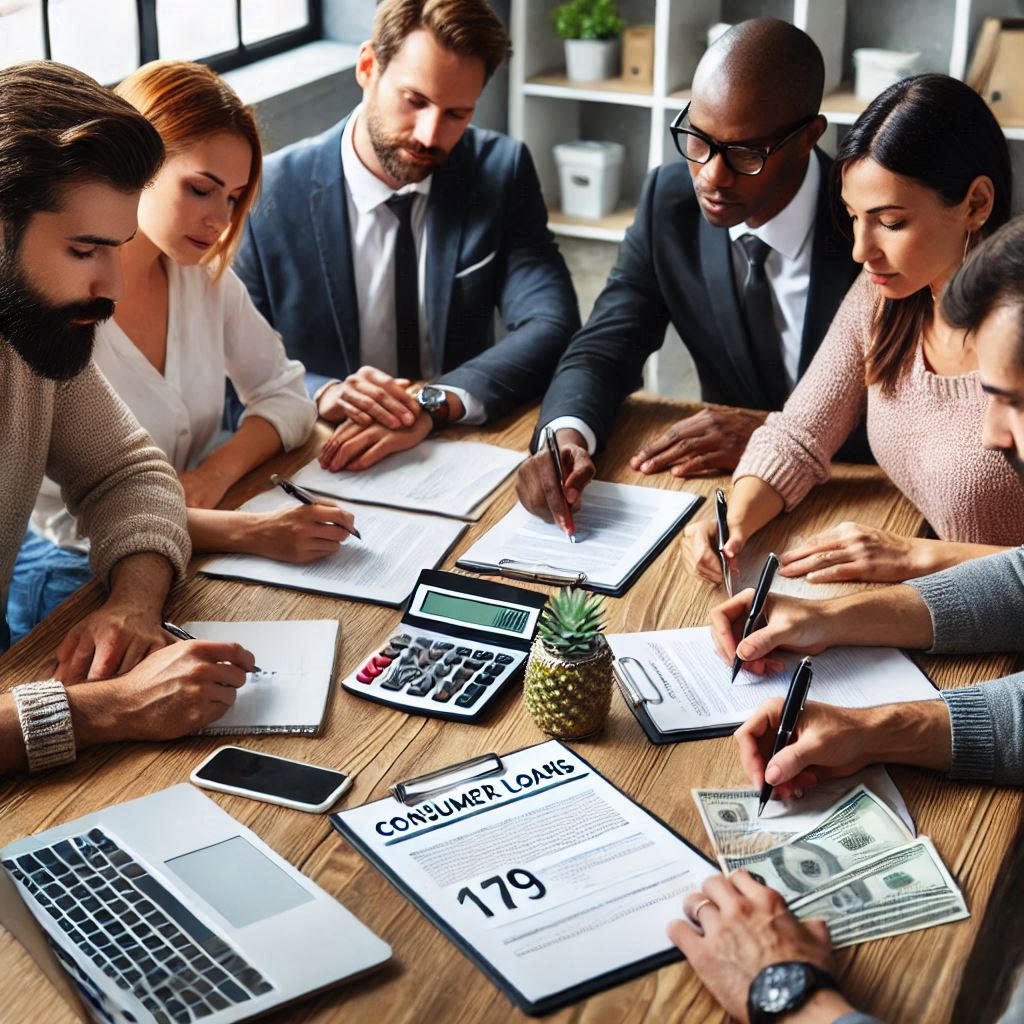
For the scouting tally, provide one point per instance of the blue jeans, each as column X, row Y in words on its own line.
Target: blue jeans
column 44, row 575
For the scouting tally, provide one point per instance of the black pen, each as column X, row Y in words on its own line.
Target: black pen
column 721, row 514
column 552, row 445
column 183, row 634
column 301, row 494
column 795, row 698
column 764, row 584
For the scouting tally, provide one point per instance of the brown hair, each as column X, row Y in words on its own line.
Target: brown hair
column 469, row 28
column 187, row 102
column 59, row 126
column 939, row 132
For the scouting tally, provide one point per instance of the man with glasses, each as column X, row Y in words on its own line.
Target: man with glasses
column 734, row 246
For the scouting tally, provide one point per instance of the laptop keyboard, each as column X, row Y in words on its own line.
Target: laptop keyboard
column 135, row 931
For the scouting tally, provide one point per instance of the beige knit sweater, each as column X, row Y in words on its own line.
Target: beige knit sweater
column 926, row 436
column 111, row 474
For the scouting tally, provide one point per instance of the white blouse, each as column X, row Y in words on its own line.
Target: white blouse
column 213, row 329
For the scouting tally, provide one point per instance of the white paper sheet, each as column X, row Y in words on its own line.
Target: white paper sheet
column 449, row 478
column 693, row 680
column 610, row 876
column 289, row 693
column 382, row 567
column 616, row 528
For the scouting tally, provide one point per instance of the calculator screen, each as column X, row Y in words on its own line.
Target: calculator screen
column 476, row 613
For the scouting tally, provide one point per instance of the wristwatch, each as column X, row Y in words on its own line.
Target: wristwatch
column 783, row 988
column 434, row 402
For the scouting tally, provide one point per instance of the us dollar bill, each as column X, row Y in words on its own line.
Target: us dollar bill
column 858, row 828
column 901, row 890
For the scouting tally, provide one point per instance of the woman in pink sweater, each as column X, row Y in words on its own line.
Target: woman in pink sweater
column 922, row 176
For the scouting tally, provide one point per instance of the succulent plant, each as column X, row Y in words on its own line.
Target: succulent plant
column 571, row 624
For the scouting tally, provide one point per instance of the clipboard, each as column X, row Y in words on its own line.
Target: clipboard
column 567, row 575
column 411, row 792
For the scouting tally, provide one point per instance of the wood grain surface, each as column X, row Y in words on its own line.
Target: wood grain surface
column 911, row 978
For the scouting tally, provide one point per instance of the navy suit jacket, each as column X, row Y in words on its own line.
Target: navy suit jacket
column 489, row 248
column 675, row 267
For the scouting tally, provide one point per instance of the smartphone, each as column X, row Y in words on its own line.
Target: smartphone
column 277, row 780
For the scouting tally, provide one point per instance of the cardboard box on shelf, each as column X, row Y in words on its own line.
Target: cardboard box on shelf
column 638, row 54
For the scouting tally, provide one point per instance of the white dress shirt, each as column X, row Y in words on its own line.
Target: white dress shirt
column 788, row 268
column 212, row 329
column 373, row 231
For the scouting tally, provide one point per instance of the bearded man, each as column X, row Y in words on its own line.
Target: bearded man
column 382, row 248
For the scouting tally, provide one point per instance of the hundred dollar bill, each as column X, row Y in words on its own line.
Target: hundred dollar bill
column 857, row 829
column 730, row 815
column 901, row 890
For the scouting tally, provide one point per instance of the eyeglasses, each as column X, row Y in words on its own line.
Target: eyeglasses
column 699, row 148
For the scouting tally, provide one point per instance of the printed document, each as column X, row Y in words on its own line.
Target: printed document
column 382, row 567
column 687, row 684
column 546, row 872
column 289, row 693
column 449, row 478
column 617, row 528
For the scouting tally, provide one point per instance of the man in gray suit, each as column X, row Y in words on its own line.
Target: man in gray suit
column 382, row 248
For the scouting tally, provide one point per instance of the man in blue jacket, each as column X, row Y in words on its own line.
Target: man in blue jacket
column 382, row 248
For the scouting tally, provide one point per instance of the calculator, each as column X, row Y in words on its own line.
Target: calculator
column 460, row 643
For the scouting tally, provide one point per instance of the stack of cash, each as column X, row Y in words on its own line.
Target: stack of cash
column 860, row 868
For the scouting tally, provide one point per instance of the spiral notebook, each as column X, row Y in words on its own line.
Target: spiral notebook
column 289, row 693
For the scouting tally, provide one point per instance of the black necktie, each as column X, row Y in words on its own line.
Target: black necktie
column 759, row 313
column 407, row 299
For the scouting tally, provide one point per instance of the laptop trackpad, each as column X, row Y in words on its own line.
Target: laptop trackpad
column 238, row 881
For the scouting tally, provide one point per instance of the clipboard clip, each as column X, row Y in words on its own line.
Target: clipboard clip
column 540, row 572
column 411, row 791
column 622, row 670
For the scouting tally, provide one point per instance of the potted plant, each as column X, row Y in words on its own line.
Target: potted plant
column 591, row 30
column 568, row 684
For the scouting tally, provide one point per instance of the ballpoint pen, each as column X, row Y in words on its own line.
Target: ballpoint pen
column 795, row 698
column 307, row 498
column 764, row 584
column 552, row 446
column 721, row 514
column 183, row 634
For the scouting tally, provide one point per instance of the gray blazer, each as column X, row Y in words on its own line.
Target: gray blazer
column 489, row 249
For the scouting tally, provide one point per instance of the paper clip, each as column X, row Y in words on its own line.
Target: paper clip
column 627, row 684
column 410, row 791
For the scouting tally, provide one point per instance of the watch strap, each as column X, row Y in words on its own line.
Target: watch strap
column 45, row 718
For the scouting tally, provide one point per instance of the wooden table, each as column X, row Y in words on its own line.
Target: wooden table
column 911, row 978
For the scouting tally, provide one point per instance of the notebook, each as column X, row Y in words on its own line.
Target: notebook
column 620, row 529
column 289, row 693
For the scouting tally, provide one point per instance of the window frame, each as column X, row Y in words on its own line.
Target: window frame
column 227, row 60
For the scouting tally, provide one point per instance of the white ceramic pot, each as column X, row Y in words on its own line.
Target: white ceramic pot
column 591, row 60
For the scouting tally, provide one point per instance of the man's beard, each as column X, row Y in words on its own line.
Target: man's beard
column 41, row 333
column 388, row 150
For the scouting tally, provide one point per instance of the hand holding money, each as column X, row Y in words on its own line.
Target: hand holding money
column 833, row 742
column 744, row 927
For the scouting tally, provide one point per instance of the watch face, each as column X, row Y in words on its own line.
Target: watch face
column 431, row 398
column 777, row 987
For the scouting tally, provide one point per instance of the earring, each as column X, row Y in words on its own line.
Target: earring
column 967, row 245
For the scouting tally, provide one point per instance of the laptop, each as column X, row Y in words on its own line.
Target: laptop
column 165, row 910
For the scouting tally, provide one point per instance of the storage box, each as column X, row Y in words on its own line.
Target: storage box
column 589, row 174
column 878, row 69
column 638, row 54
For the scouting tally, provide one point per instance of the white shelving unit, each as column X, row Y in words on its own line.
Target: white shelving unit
column 545, row 108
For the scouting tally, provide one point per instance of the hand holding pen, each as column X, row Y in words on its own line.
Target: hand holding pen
column 552, row 446
column 796, row 697
column 764, row 584
column 308, row 498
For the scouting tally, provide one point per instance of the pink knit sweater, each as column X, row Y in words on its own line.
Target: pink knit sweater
column 926, row 436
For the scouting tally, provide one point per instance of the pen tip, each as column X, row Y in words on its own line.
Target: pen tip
column 572, row 538
column 760, row 808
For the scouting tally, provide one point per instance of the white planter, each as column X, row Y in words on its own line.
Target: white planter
column 591, row 60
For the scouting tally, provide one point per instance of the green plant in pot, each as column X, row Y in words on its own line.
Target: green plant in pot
column 568, row 684
column 591, row 30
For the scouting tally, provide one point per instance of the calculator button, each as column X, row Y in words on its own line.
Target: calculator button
column 391, row 652
column 470, row 696
column 397, row 679
column 400, row 640
column 473, row 664
column 421, row 687
column 504, row 659
column 381, row 662
column 451, row 658
column 483, row 655
column 371, row 670
column 464, row 673
column 463, row 652
column 441, row 645
column 493, row 671
column 363, row 677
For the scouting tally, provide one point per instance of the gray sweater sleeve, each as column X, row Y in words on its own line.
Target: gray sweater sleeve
column 988, row 731
column 977, row 606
